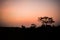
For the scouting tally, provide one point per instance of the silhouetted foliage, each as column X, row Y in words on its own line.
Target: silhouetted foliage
column 23, row 26
column 33, row 25
column 46, row 20
column 51, row 20
column 33, row 28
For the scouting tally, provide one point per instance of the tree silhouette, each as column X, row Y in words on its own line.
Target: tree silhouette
column 50, row 20
column 40, row 19
column 46, row 20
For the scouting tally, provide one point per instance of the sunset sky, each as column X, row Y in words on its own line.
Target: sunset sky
column 26, row 12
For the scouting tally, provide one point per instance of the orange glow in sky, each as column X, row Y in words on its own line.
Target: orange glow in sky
column 18, row 13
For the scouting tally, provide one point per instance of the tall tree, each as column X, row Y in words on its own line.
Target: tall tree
column 40, row 19
column 46, row 20
column 50, row 20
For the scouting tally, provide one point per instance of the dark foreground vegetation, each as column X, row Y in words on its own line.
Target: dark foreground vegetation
column 32, row 33
column 46, row 26
column 43, row 28
column 41, row 33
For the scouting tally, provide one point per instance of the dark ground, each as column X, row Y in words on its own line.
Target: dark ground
column 43, row 28
column 32, row 33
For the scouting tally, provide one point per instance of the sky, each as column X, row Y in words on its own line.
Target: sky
column 26, row 12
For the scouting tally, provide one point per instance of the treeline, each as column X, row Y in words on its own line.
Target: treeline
column 33, row 28
column 47, row 26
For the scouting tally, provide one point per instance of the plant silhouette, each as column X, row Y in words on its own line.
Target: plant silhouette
column 46, row 20
column 45, row 27
column 50, row 20
column 33, row 25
